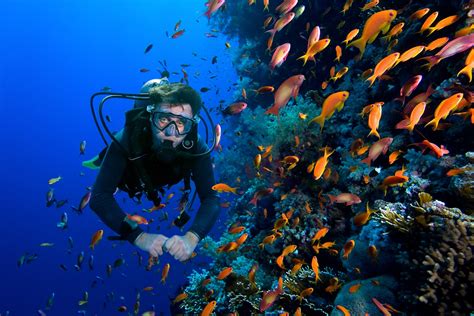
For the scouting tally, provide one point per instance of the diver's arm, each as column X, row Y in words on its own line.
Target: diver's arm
column 203, row 177
column 103, row 202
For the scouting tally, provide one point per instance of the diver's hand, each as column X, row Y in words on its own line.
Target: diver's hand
column 182, row 247
column 151, row 243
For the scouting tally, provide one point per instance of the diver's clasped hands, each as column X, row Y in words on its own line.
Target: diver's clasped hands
column 180, row 247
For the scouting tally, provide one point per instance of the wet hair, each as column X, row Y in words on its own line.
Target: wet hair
column 177, row 93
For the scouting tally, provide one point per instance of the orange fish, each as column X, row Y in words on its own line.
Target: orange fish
column 178, row 34
column 289, row 88
column 348, row 247
column 370, row 5
column 381, row 307
column 377, row 148
column 281, row 23
column 164, row 273
column 374, row 119
column 469, row 64
column 339, row 74
column 222, row 187
column 373, row 252
column 267, row 240
column 347, row 198
column 96, row 238
column 306, row 292
column 207, row 311
column 212, row 7
column 444, row 108
column 338, row 53
column 429, row 20
column 361, row 218
column 465, row 30
column 439, row 151
column 236, row 230
column 138, row 219
column 279, row 56
column 347, row 6
column 288, row 249
column 242, row 239
column 442, row 24
column 317, row 47
column 394, row 31
column 180, row 297
column 332, row 103
column 392, row 181
column 313, row 37
column 437, row 43
column 455, row 172
column 224, row 273
column 394, row 156
column 266, row 3
column 279, row 262
column 259, row 194
column 353, row 289
column 350, row 36
column 414, row 119
column 376, row 23
column 409, row 54
column 344, row 310
column 321, row 163
column 265, row 89
column 419, row 14
column 384, row 65
column 315, row 267
column 269, row 298
column 267, row 21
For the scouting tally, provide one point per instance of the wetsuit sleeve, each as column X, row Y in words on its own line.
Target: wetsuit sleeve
column 103, row 202
column 203, row 177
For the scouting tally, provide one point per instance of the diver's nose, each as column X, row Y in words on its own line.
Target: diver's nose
column 171, row 130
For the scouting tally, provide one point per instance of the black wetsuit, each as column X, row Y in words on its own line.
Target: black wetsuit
column 113, row 168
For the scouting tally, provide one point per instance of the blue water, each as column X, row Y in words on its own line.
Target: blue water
column 55, row 54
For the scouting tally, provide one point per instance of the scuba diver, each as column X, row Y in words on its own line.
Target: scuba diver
column 158, row 146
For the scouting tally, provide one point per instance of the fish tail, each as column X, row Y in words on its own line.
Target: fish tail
column 430, row 30
column 466, row 71
column 273, row 110
column 367, row 161
column 318, row 119
column 360, row 44
column 253, row 201
column 432, row 60
column 374, row 132
column 401, row 99
column 304, row 57
column 332, row 198
column 266, row 8
column 371, row 79
column 434, row 122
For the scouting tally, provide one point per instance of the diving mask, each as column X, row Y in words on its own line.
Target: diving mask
column 172, row 124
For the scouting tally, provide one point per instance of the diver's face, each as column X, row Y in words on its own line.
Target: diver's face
column 169, row 133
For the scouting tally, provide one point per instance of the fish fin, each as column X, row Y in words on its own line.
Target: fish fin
column 318, row 119
column 433, row 122
column 93, row 163
column 401, row 99
column 367, row 161
column 466, row 71
column 403, row 124
column 360, row 44
column 304, row 57
column 371, row 79
column 273, row 110
column 374, row 132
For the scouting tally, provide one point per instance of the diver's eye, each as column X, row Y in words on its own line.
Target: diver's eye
column 180, row 123
column 164, row 120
